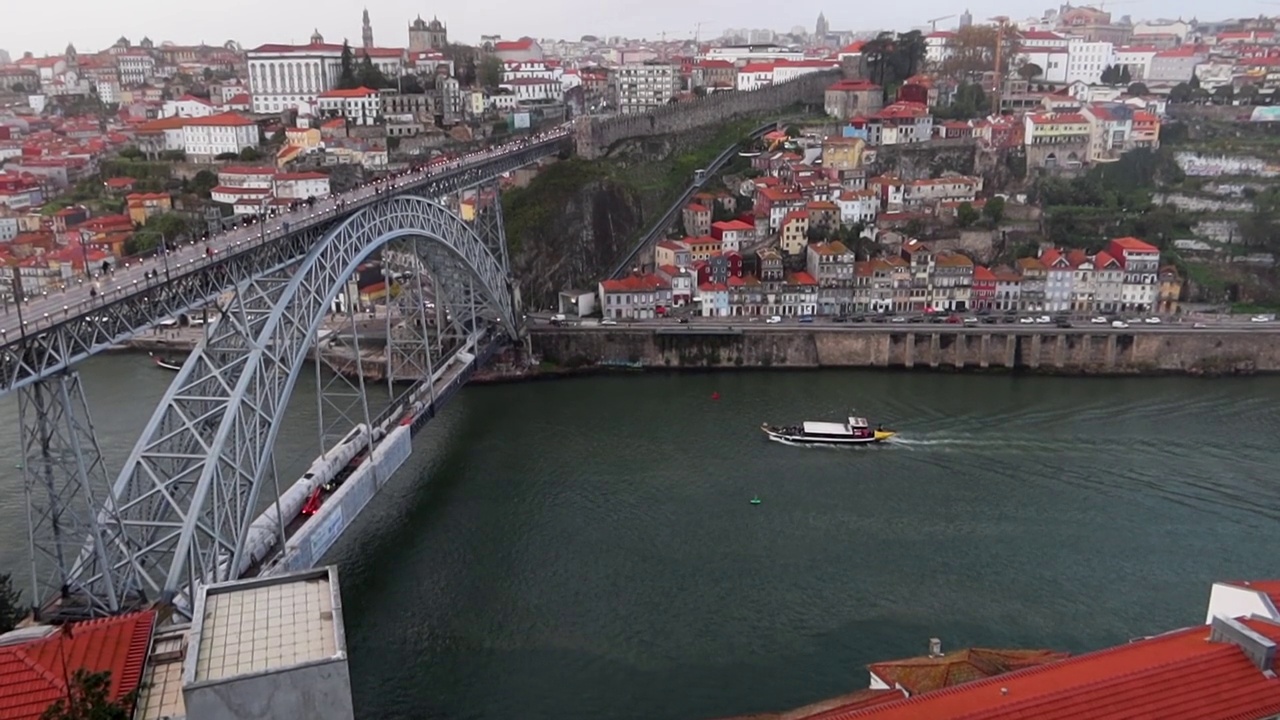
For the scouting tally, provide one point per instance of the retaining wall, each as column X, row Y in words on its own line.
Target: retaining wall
column 595, row 136
column 1081, row 352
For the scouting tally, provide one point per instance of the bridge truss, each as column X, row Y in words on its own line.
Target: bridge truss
column 177, row 514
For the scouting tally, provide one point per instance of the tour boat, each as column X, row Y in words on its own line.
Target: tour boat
column 856, row 431
column 166, row 364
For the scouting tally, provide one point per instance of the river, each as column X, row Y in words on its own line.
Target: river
column 586, row 549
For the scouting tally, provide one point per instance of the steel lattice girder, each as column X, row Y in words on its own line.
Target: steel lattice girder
column 184, row 500
column 25, row 359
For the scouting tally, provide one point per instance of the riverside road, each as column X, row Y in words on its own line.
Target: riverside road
column 708, row 325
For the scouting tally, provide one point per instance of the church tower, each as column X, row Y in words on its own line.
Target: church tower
column 821, row 29
column 366, row 32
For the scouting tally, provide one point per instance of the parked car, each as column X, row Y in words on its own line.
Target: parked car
column 1119, row 324
column 607, row 321
column 773, row 320
column 683, row 321
column 971, row 321
column 1026, row 320
column 900, row 319
column 1152, row 320
column 1044, row 320
column 1098, row 320
column 1260, row 318
column 806, row 318
column 1199, row 326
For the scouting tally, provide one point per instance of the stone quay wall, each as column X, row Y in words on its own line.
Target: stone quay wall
column 594, row 136
column 1048, row 350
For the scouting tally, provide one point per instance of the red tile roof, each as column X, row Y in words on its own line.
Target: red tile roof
column 695, row 207
column 1176, row 676
column 360, row 92
column 757, row 68
column 32, row 673
column 1133, row 244
column 635, row 283
column 510, row 45
column 802, row 278
column 227, row 119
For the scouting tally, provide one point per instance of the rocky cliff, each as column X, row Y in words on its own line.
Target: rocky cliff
column 564, row 236
column 578, row 217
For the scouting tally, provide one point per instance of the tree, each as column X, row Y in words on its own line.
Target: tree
column 966, row 215
column 347, row 72
column 1223, row 94
column 250, row 154
column 18, row 88
column 131, row 152
column 1030, row 71
column 1248, row 93
column 994, row 210
column 11, row 610
column 410, row 85
column 973, row 51
column 203, row 182
column 89, row 698
column 490, row 72
column 1110, row 75
column 370, row 76
column 1125, row 76
column 1139, row 89
column 1180, row 93
column 910, row 51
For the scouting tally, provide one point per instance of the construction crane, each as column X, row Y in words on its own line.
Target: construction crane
column 697, row 30
column 934, row 22
column 997, row 85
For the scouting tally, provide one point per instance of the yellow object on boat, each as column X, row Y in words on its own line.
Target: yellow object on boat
column 884, row 434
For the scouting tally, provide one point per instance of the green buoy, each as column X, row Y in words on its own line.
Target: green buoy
column 755, row 500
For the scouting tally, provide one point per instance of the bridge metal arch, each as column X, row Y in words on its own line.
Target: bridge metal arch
column 181, row 506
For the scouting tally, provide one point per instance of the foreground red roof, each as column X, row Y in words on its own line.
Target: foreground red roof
column 1181, row 675
column 32, row 675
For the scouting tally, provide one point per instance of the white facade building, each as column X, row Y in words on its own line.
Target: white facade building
column 282, row 77
column 211, row 136
column 360, row 106
column 755, row 76
column 751, row 53
column 532, row 88
column 186, row 107
column 300, row 186
column 1137, row 59
column 1051, row 61
column 645, row 86
column 1087, row 60
column 136, row 68
column 937, row 46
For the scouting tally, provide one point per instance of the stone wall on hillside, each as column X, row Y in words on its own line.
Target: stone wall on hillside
column 594, row 136
column 921, row 161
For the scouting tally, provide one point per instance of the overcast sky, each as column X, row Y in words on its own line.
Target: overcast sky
column 94, row 24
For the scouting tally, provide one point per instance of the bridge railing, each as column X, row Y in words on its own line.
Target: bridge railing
column 203, row 261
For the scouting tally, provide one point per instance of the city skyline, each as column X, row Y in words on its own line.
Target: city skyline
column 92, row 26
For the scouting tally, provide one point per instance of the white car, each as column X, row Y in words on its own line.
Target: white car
column 1152, row 321
column 1026, row 320
column 1098, row 320
column 1199, row 326
column 1260, row 318
column 1044, row 320
column 774, row 320
column 1119, row 324
column 898, row 319
column 607, row 321
column 971, row 321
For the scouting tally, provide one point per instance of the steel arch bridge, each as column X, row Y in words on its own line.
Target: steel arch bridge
column 178, row 513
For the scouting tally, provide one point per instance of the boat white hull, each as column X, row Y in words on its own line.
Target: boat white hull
column 800, row 439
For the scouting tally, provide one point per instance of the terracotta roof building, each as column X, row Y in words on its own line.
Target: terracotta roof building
column 34, row 672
